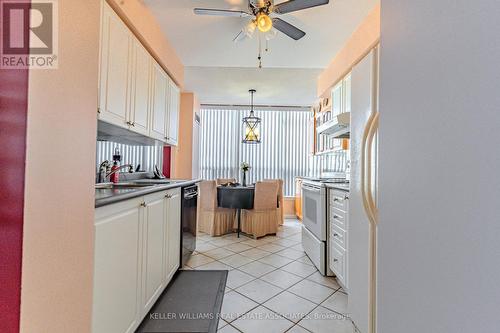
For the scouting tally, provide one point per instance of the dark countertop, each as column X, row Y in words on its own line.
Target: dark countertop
column 108, row 196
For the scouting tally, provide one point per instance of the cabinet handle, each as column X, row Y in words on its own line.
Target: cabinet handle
column 335, row 216
column 143, row 204
column 168, row 196
column 335, row 260
column 98, row 110
column 133, row 124
column 346, row 197
column 336, row 199
column 129, row 123
column 335, row 235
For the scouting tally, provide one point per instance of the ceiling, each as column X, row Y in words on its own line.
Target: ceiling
column 206, row 41
column 275, row 86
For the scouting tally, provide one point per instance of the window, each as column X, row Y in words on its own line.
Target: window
column 283, row 153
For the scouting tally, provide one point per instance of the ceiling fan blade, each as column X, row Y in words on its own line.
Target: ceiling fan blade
column 220, row 12
column 288, row 29
column 240, row 36
column 295, row 5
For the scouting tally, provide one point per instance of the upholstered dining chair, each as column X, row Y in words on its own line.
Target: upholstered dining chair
column 213, row 220
column 262, row 219
column 222, row 181
column 280, row 211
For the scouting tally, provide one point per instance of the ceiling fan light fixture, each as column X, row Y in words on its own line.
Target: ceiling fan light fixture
column 264, row 22
column 250, row 29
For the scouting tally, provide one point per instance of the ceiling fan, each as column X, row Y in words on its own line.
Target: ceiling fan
column 263, row 16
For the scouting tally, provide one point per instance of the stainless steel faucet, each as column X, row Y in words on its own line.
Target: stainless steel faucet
column 129, row 166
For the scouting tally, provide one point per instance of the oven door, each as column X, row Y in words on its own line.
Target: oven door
column 314, row 209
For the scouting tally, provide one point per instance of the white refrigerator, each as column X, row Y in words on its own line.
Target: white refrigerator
column 363, row 193
column 439, row 177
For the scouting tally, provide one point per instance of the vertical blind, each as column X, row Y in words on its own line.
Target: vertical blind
column 284, row 151
column 146, row 156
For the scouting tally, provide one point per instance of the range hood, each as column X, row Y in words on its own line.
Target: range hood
column 338, row 127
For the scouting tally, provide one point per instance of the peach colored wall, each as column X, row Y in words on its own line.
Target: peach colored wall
column 366, row 36
column 57, row 265
column 142, row 22
column 182, row 155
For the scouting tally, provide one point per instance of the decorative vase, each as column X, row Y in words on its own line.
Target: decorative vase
column 244, row 178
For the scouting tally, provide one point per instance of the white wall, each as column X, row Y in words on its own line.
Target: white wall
column 439, row 234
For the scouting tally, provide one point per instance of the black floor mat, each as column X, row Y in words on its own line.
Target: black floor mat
column 191, row 303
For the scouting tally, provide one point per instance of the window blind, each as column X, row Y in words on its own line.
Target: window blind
column 283, row 153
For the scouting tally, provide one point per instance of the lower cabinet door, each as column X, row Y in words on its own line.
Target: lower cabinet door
column 116, row 268
column 153, row 257
column 173, row 226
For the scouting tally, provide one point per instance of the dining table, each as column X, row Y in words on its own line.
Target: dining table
column 236, row 197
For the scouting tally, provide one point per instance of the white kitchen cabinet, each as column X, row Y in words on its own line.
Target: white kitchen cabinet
column 338, row 206
column 117, row 266
column 141, row 83
column 115, row 67
column 347, row 93
column 136, row 254
column 337, row 98
column 172, row 123
column 135, row 92
column 173, row 232
column 159, row 103
column 154, row 240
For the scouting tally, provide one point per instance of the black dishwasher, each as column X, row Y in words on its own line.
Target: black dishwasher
column 188, row 222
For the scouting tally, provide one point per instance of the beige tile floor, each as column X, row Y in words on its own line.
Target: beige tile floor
column 272, row 285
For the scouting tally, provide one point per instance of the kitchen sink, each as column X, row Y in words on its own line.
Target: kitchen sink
column 109, row 186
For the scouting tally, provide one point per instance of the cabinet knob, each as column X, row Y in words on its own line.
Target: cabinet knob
column 335, row 260
column 336, row 199
column 335, row 216
column 143, row 204
column 335, row 235
column 346, row 197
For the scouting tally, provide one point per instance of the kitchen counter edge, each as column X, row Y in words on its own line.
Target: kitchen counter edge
column 143, row 191
column 339, row 186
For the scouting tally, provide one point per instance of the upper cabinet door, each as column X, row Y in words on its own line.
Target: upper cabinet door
column 159, row 109
column 347, row 93
column 337, row 99
column 141, row 79
column 173, row 114
column 115, row 69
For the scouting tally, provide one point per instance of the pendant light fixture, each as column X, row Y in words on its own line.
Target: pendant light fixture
column 251, row 125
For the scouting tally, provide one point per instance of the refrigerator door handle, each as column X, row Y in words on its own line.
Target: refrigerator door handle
column 364, row 168
column 371, row 135
column 370, row 209
column 372, row 213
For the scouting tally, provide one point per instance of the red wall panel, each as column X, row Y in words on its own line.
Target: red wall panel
column 13, row 115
